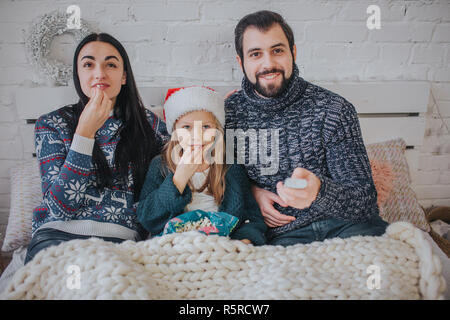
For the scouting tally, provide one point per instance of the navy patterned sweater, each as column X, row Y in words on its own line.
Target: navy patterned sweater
column 317, row 130
column 71, row 200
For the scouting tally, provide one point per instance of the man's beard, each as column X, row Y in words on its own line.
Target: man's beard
column 271, row 90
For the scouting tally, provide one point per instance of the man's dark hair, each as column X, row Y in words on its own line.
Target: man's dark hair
column 263, row 20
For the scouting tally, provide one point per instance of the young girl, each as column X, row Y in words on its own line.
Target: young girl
column 191, row 172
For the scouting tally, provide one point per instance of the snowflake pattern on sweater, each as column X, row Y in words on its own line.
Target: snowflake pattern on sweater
column 68, row 177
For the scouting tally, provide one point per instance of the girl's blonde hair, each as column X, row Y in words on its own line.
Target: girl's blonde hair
column 215, row 180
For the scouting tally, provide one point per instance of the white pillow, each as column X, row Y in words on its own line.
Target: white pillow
column 26, row 194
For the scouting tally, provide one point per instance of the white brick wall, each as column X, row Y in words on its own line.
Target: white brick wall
column 191, row 41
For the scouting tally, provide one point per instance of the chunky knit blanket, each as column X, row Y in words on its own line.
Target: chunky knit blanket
column 397, row 265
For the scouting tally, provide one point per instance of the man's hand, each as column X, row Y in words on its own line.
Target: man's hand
column 272, row 217
column 300, row 198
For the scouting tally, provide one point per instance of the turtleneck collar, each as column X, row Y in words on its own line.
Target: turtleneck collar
column 292, row 93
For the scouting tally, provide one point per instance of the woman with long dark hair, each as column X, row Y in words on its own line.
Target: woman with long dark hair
column 94, row 155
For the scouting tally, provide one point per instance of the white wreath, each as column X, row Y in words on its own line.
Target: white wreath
column 40, row 38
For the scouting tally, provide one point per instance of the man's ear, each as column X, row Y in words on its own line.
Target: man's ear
column 239, row 60
column 124, row 78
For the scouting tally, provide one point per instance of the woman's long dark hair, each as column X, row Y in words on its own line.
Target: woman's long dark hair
column 137, row 142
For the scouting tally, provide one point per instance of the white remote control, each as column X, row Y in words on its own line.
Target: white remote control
column 295, row 183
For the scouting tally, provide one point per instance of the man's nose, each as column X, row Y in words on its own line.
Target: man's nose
column 267, row 62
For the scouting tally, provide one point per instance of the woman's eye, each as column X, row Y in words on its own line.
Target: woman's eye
column 87, row 64
column 186, row 127
column 206, row 126
column 112, row 65
column 278, row 50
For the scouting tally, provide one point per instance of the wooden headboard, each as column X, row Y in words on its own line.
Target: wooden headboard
column 386, row 110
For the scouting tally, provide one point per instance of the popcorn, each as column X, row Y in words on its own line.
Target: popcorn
column 217, row 223
column 195, row 225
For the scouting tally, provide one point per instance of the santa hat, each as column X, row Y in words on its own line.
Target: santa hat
column 180, row 101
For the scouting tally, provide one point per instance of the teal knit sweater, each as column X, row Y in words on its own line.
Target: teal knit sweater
column 161, row 201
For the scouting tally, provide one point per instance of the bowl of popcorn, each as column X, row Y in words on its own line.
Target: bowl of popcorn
column 209, row 223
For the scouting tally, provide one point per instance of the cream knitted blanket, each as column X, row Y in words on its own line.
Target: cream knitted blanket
column 398, row 265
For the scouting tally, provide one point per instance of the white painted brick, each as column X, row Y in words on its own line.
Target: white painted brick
column 428, row 12
column 298, row 28
column 13, row 32
column 308, row 11
column 339, row 32
column 402, row 32
column 7, row 114
column 330, row 52
column 444, row 178
column 358, row 12
column 432, row 192
column 136, row 32
column 395, row 53
column 317, row 71
column 431, row 162
column 191, row 54
column 12, row 55
column 207, row 71
column 442, row 33
column 10, row 150
column 7, row 95
column 144, row 71
column 156, row 53
column 380, row 70
column 441, row 74
column 447, row 60
column 425, row 177
column 15, row 75
column 363, row 52
column 8, row 131
column 25, row 11
column 201, row 32
column 231, row 10
column 110, row 12
column 163, row 11
column 427, row 53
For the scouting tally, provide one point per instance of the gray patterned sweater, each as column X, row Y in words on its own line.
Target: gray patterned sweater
column 317, row 130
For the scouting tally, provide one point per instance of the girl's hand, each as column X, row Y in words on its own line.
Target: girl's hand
column 246, row 241
column 187, row 166
column 95, row 113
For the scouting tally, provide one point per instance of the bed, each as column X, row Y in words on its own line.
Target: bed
column 405, row 263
